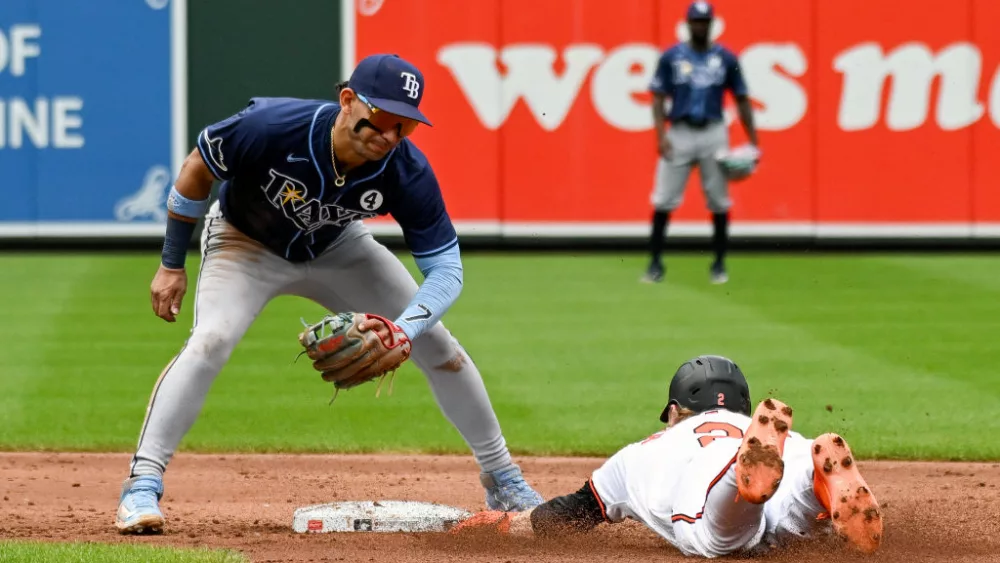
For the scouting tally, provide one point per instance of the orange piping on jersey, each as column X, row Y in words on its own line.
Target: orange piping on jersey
column 693, row 519
column 604, row 512
column 686, row 518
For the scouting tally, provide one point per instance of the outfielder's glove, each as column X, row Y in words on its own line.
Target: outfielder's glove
column 349, row 356
column 738, row 163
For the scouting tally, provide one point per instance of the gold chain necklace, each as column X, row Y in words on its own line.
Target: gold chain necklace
column 340, row 180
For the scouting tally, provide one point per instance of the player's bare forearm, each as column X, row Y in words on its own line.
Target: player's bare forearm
column 187, row 198
column 193, row 182
column 746, row 118
column 660, row 125
column 659, row 118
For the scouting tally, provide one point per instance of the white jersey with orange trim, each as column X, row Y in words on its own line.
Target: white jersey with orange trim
column 680, row 482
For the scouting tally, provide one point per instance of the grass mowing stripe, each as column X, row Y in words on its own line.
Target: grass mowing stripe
column 39, row 552
column 926, row 323
column 31, row 322
column 575, row 353
column 896, row 388
column 977, row 271
column 99, row 367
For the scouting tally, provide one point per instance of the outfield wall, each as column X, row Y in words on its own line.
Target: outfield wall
column 876, row 120
column 92, row 115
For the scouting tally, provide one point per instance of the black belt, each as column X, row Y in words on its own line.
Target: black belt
column 697, row 124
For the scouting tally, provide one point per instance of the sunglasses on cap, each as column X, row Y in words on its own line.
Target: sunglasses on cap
column 383, row 121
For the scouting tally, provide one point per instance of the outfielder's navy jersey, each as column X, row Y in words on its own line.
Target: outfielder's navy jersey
column 274, row 159
column 696, row 81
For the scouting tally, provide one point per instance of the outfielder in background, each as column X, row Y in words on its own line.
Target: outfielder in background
column 694, row 75
column 716, row 481
column 298, row 176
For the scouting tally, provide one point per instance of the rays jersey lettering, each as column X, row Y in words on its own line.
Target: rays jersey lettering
column 308, row 214
column 696, row 81
column 273, row 158
column 703, row 74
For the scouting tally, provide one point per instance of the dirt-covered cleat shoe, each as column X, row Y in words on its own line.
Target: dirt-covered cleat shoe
column 483, row 521
column 843, row 492
column 759, row 467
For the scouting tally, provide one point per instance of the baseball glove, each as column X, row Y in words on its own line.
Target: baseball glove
column 738, row 163
column 348, row 356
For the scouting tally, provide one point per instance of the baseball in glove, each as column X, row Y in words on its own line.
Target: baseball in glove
column 739, row 163
column 354, row 348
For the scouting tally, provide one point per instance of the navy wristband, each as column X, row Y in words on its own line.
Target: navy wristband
column 175, row 243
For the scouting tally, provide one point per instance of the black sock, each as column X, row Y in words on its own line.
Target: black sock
column 656, row 237
column 720, row 236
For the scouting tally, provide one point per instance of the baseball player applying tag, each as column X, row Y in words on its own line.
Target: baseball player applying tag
column 717, row 480
column 298, row 177
column 694, row 75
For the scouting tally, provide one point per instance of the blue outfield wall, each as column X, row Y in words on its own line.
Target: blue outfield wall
column 92, row 117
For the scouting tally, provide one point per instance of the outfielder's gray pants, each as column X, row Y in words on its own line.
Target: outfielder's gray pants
column 690, row 147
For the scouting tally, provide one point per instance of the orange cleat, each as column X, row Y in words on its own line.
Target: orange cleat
column 844, row 494
column 759, row 467
column 496, row 519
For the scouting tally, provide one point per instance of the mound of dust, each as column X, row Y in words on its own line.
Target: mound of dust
column 907, row 542
column 628, row 541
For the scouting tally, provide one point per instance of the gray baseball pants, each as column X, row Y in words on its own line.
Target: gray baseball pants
column 692, row 146
column 239, row 276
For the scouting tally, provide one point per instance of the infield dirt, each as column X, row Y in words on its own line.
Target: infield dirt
column 933, row 511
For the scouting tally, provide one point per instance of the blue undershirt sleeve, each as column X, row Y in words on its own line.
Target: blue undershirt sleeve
column 441, row 288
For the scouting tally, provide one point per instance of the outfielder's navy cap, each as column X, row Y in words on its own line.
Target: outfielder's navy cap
column 391, row 84
column 700, row 10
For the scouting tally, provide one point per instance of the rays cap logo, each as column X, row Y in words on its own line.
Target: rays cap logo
column 391, row 84
column 700, row 10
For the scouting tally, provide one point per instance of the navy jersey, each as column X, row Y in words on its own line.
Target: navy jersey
column 696, row 81
column 278, row 187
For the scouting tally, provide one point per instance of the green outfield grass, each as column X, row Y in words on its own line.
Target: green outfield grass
column 35, row 552
column 575, row 352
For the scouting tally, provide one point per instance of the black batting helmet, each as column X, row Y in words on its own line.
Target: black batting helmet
column 708, row 382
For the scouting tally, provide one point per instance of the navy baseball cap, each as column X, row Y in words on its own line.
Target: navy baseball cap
column 391, row 84
column 700, row 10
